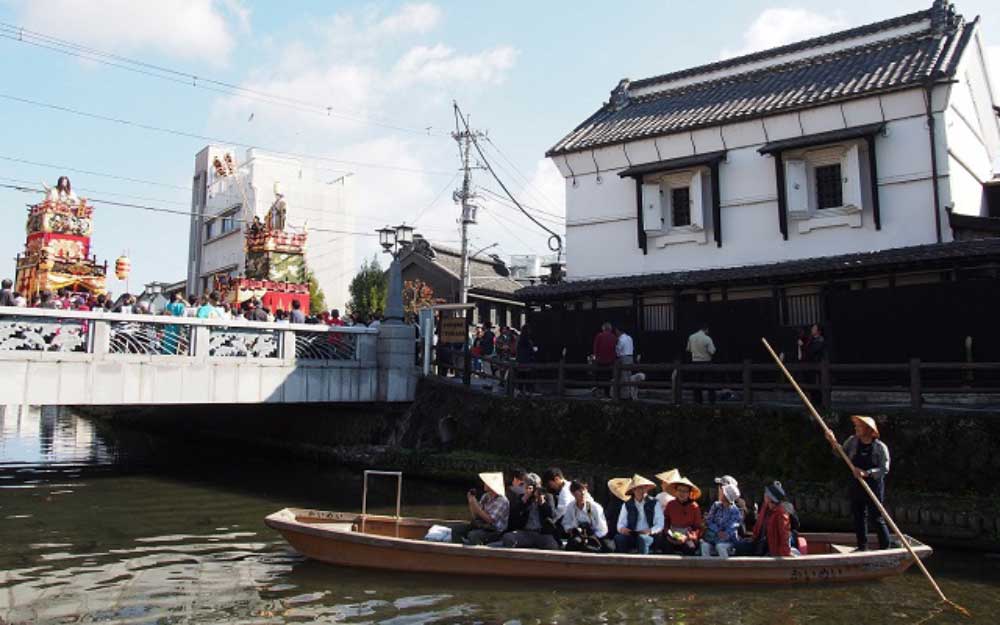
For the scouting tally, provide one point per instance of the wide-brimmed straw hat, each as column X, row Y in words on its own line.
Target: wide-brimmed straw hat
column 637, row 481
column 618, row 487
column 668, row 476
column 866, row 421
column 493, row 481
column 672, row 487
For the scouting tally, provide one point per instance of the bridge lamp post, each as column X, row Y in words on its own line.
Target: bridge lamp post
column 394, row 241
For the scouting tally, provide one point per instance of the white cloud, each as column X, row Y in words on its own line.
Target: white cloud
column 549, row 187
column 779, row 26
column 440, row 64
column 189, row 29
column 411, row 18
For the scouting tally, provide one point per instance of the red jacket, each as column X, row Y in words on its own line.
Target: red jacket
column 777, row 526
column 604, row 348
column 688, row 515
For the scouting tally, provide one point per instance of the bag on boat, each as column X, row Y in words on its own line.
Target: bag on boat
column 438, row 534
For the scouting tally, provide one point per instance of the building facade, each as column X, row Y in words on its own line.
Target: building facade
column 318, row 203
column 752, row 192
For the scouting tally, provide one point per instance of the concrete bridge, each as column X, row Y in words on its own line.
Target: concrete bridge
column 54, row 357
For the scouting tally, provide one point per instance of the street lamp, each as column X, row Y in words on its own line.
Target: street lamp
column 393, row 242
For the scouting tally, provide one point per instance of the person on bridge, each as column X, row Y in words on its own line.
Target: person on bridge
column 6, row 293
column 296, row 315
column 702, row 348
column 870, row 457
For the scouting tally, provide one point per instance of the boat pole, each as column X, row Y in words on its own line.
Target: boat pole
column 864, row 485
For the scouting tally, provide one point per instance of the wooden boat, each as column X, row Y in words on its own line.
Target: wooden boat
column 395, row 543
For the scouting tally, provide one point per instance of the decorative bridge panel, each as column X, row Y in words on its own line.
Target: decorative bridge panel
column 243, row 342
column 44, row 334
column 132, row 337
column 325, row 345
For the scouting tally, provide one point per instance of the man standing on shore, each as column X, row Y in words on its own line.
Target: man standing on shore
column 625, row 353
column 603, row 351
column 701, row 348
column 870, row 457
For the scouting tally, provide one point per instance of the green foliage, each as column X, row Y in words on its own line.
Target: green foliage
column 369, row 290
column 317, row 300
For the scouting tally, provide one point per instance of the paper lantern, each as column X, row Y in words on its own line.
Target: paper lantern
column 122, row 267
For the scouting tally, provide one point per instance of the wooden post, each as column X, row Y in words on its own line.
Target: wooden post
column 915, row 384
column 466, row 365
column 511, row 378
column 561, row 376
column 615, row 374
column 678, row 386
column 825, row 383
column 747, row 383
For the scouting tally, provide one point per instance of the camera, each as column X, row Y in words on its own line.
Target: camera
column 473, row 492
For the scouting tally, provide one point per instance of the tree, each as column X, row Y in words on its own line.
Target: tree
column 317, row 300
column 369, row 290
column 417, row 294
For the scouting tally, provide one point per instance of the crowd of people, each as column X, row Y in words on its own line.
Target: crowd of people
column 552, row 512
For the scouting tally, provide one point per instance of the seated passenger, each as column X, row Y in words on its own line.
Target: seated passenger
column 682, row 518
column 532, row 515
column 616, row 487
column 772, row 533
column 558, row 486
column 641, row 518
column 722, row 523
column 585, row 524
column 665, row 478
column 489, row 513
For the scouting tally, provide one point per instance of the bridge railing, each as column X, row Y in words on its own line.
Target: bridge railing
column 58, row 334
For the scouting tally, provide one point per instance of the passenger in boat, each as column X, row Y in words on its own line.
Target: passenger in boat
column 616, row 488
column 722, row 523
column 489, row 512
column 585, row 524
column 665, row 478
column 516, row 487
column 532, row 518
column 682, row 518
column 772, row 533
column 557, row 484
column 640, row 520
column 870, row 457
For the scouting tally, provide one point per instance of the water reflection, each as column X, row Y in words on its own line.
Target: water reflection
column 98, row 526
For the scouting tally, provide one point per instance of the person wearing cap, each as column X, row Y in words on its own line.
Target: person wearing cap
column 585, row 523
column 722, row 523
column 640, row 520
column 532, row 518
column 489, row 513
column 772, row 533
column 682, row 518
column 870, row 457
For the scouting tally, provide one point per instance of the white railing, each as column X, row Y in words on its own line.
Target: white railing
column 102, row 333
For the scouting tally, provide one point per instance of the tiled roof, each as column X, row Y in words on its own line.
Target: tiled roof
column 881, row 66
column 844, row 265
column 486, row 274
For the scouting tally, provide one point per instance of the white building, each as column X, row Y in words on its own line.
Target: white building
column 764, row 177
column 321, row 202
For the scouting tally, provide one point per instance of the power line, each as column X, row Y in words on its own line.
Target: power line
column 62, row 46
column 134, row 197
column 525, row 183
column 437, row 197
column 544, row 216
column 210, row 139
column 23, row 161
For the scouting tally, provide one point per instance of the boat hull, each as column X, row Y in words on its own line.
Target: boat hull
column 333, row 538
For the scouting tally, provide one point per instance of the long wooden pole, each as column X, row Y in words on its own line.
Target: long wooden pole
column 864, row 484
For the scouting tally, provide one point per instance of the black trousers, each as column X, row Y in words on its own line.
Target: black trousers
column 473, row 536
column 863, row 510
column 529, row 539
column 702, row 377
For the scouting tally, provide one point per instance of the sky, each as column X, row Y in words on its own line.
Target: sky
column 364, row 87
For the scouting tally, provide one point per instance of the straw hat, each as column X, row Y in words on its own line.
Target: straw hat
column 867, row 422
column 672, row 487
column 493, row 481
column 637, row 481
column 668, row 476
column 618, row 487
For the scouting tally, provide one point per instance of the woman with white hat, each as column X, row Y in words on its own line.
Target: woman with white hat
column 489, row 513
column 640, row 520
column 870, row 457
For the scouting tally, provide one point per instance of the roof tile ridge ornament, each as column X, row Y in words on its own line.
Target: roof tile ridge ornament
column 943, row 16
column 620, row 97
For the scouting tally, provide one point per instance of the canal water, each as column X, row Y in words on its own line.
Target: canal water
column 99, row 527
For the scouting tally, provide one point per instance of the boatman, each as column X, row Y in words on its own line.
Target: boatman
column 870, row 457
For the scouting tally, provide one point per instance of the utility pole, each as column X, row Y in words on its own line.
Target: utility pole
column 465, row 137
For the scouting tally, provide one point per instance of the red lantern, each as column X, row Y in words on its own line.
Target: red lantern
column 122, row 267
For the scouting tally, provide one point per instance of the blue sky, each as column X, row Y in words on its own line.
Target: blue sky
column 526, row 72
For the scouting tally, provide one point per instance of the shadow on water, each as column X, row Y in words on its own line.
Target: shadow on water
column 118, row 529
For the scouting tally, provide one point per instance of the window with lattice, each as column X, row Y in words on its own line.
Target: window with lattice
column 829, row 186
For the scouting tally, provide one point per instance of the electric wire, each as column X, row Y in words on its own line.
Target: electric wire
column 90, row 190
column 63, row 46
column 213, row 140
column 501, row 200
column 25, row 161
column 437, row 197
column 527, row 185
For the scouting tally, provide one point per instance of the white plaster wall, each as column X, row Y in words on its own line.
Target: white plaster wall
column 601, row 218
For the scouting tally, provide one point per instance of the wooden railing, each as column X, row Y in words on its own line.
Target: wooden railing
column 746, row 383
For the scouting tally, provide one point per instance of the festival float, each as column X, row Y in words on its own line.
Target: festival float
column 275, row 267
column 57, row 249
